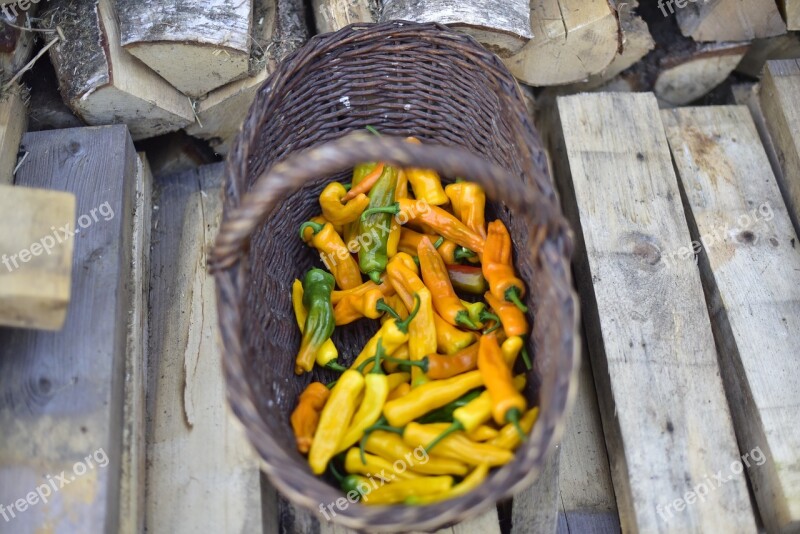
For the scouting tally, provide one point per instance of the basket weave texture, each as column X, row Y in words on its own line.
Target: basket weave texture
column 403, row 79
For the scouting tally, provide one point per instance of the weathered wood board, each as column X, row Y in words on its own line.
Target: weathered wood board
column 13, row 121
column 791, row 13
column 61, row 405
column 665, row 417
column 193, row 440
column 780, row 88
column 750, row 265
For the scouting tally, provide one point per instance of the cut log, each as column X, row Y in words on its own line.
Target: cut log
column 572, row 40
column 104, row 84
column 132, row 477
column 665, row 417
column 779, row 89
column 333, row 15
column 194, row 442
column 750, row 265
column 791, row 13
column 61, row 400
column 13, row 121
column 502, row 27
column 727, row 20
column 763, row 50
column 283, row 29
column 36, row 266
column 196, row 45
column 16, row 45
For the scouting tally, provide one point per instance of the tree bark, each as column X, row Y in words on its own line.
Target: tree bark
column 333, row 15
column 728, row 20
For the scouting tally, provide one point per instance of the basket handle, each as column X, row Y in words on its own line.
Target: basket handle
column 287, row 176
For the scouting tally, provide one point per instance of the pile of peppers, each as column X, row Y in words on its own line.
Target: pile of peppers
column 402, row 248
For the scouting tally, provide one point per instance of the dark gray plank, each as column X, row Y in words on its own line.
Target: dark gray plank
column 61, row 392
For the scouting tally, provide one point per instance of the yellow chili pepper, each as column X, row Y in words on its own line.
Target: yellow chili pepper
column 334, row 419
column 393, row 243
column 437, row 279
column 392, row 447
column 335, row 210
column 426, row 183
column 469, row 205
column 385, row 287
column 397, row 304
column 449, row 339
column 397, row 379
column 478, row 411
column 399, row 391
column 335, row 255
column 510, row 348
column 422, row 331
column 399, row 491
column 508, row 438
column 399, row 354
column 429, row 396
column 373, row 466
column 409, row 243
column 376, row 389
column 327, row 354
column 393, row 334
column 402, row 185
column 457, row 446
column 469, row 483
column 482, row 433
column 508, row 404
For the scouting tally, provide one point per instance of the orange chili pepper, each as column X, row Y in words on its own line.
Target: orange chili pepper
column 498, row 268
column 514, row 322
column 445, row 300
column 441, row 366
column 385, row 287
column 469, row 205
column 409, row 242
column 354, row 307
column 333, row 252
column 440, row 221
column 336, row 210
column 366, row 183
column 305, row 416
column 508, row 404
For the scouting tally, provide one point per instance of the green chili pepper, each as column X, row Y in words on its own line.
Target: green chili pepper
column 350, row 482
column 373, row 258
column 320, row 322
column 445, row 413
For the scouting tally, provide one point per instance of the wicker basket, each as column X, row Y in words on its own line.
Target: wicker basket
column 403, row 79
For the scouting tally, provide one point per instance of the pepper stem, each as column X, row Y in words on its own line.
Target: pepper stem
column 330, row 385
column 512, row 416
column 394, row 209
column 526, row 358
column 512, row 295
column 348, row 186
column 462, row 318
column 382, row 306
column 455, row 427
column 338, row 476
column 462, row 253
column 379, row 353
column 333, row 365
column 422, row 364
column 373, row 130
column 375, row 276
column 380, row 424
column 438, row 242
column 486, row 316
column 403, row 325
column 315, row 228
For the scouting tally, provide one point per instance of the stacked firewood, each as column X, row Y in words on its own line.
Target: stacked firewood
column 195, row 65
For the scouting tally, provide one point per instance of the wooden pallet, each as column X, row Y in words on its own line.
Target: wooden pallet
column 683, row 421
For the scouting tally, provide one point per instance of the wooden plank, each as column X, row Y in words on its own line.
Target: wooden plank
column 132, row 484
column 750, row 269
column 779, row 89
column 333, row 15
column 193, row 440
column 785, row 46
column 727, row 20
column 536, row 508
column 62, row 392
column 665, row 418
column 36, row 260
column 13, row 121
column 586, row 495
